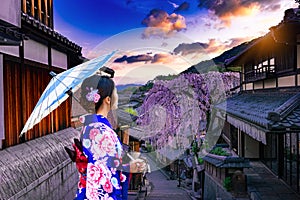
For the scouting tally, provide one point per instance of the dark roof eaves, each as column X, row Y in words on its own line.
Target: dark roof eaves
column 227, row 161
column 229, row 61
column 273, row 120
column 52, row 33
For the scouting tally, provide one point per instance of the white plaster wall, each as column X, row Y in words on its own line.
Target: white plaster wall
column 59, row 59
column 10, row 11
column 270, row 83
column 258, row 85
column 298, row 56
column 249, row 86
column 35, row 51
column 1, row 102
column 10, row 50
column 251, row 147
column 298, row 80
column 286, row 81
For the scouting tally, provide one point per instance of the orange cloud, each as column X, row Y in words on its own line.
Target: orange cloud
column 161, row 24
column 239, row 11
column 217, row 47
column 212, row 47
column 226, row 10
column 162, row 58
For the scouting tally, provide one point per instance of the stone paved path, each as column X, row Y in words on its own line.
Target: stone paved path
column 161, row 187
column 263, row 185
column 164, row 189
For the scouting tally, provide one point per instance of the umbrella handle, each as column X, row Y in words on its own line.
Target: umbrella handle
column 70, row 93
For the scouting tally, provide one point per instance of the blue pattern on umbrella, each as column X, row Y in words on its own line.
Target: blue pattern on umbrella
column 60, row 86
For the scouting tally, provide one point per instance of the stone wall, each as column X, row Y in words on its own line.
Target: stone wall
column 39, row 169
column 213, row 190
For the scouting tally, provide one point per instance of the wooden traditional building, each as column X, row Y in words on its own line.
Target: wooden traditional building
column 29, row 50
column 263, row 120
column 223, row 170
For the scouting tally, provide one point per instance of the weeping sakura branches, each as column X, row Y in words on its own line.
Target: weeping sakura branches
column 175, row 112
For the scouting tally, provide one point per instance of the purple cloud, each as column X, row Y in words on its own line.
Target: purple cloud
column 228, row 9
column 183, row 7
column 186, row 49
column 132, row 59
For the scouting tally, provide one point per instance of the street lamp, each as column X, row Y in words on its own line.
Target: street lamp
column 178, row 172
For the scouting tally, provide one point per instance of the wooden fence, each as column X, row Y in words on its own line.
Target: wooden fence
column 23, row 86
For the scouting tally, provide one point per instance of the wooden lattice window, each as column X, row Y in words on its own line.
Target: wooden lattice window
column 261, row 70
column 41, row 10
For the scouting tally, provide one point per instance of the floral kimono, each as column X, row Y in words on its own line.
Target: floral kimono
column 103, row 150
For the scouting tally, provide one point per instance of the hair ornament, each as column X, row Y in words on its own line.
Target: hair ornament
column 93, row 95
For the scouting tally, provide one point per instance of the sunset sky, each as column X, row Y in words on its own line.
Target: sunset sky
column 163, row 36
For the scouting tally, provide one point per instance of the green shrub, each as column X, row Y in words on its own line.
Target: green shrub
column 219, row 151
column 195, row 148
column 149, row 147
column 227, row 183
column 200, row 161
column 131, row 111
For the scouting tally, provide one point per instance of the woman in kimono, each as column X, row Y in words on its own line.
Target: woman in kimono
column 101, row 178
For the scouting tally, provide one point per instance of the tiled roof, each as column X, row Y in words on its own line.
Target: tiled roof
column 10, row 36
column 270, row 110
column 136, row 133
column 51, row 33
column 291, row 121
column 124, row 118
column 227, row 161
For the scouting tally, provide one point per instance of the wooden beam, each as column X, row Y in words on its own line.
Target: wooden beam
column 50, row 11
column 46, row 12
column 24, row 6
column 23, row 87
column 39, row 9
column 32, row 8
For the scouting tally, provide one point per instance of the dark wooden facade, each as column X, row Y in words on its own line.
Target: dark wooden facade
column 262, row 122
column 22, row 89
column 41, row 10
column 25, row 78
column 272, row 59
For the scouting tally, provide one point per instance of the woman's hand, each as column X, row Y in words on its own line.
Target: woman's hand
column 137, row 166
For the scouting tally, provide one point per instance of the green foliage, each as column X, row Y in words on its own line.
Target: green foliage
column 131, row 111
column 166, row 78
column 200, row 161
column 149, row 147
column 227, row 183
column 146, row 87
column 130, row 89
column 216, row 68
column 234, row 69
column 219, row 151
column 195, row 148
